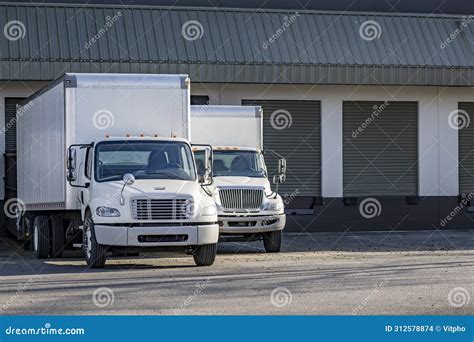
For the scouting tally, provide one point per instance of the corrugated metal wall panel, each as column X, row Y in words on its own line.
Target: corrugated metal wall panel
column 466, row 150
column 380, row 148
column 298, row 140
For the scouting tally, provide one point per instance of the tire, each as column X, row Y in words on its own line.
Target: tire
column 205, row 255
column 272, row 241
column 41, row 237
column 57, row 236
column 94, row 253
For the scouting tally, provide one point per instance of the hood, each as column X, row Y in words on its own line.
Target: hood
column 239, row 181
column 163, row 188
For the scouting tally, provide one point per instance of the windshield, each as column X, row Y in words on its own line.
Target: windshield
column 233, row 163
column 143, row 159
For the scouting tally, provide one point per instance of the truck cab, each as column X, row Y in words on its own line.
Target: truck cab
column 248, row 208
column 141, row 193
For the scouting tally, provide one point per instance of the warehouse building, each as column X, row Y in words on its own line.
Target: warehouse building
column 371, row 110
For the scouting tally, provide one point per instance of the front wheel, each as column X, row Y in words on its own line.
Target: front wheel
column 272, row 241
column 95, row 254
column 205, row 255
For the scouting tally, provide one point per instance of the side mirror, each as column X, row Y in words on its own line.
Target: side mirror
column 71, row 165
column 71, row 176
column 282, row 166
column 278, row 179
column 205, row 174
column 206, row 178
column 128, row 179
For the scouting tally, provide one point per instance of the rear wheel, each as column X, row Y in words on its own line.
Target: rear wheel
column 95, row 254
column 272, row 241
column 205, row 255
column 57, row 236
column 41, row 237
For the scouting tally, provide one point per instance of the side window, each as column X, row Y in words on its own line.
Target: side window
column 89, row 162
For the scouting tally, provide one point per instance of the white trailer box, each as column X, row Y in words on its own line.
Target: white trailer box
column 79, row 108
column 239, row 126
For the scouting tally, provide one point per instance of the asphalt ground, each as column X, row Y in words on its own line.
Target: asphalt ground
column 347, row 273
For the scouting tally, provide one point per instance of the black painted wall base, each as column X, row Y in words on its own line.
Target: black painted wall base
column 395, row 213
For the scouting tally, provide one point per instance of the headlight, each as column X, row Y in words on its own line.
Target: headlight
column 274, row 205
column 209, row 211
column 107, row 212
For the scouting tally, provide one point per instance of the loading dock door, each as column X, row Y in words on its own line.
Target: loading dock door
column 380, row 148
column 292, row 129
column 10, row 146
column 466, row 150
column 10, row 123
column 10, row 156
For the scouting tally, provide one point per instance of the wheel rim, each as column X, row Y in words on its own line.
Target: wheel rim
column 35, row 237
column 88, row 242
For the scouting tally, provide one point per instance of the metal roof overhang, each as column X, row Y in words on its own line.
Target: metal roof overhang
column 314, row 48
column 251, row 73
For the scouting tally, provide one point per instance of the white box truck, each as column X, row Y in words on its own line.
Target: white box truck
column 248, row 209
column 105, row 164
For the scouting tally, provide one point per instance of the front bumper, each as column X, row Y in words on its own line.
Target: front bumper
column 251, row 224
column 159, row 236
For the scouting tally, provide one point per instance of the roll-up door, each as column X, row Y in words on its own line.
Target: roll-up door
column 380, row 148
column 10, row 123
column 466, row 147
column 292, row 129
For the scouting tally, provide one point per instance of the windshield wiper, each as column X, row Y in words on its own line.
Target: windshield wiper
column 169, row 174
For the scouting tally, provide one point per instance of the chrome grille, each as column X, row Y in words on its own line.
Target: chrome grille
column 241, row 198
column 161, row 209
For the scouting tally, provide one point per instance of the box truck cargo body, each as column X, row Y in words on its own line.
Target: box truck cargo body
column 104, row 162
column 247, row 206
